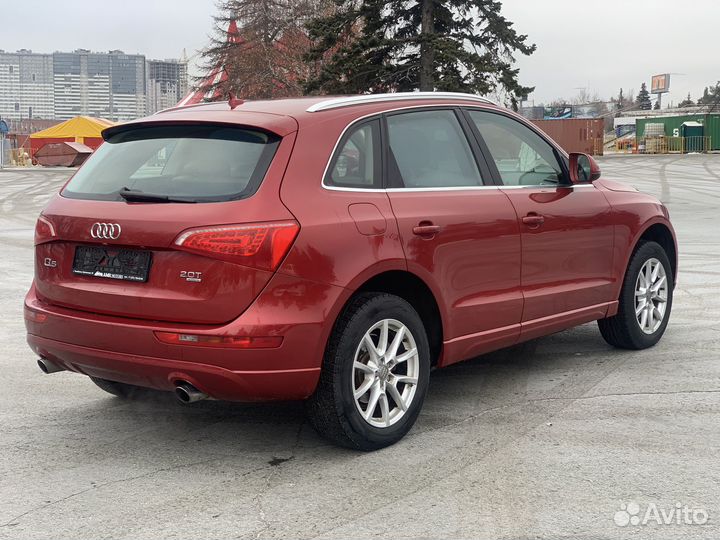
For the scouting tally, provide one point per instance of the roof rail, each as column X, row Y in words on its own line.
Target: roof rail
column 347, row 101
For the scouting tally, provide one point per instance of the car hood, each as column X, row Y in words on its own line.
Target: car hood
column 614, row 185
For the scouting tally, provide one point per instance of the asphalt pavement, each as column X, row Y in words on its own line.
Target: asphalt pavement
column 561, row 437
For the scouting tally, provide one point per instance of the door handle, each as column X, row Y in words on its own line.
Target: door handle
column 533, row 220
column 426, row 229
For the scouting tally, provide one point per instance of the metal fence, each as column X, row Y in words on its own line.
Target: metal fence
column 665, row 145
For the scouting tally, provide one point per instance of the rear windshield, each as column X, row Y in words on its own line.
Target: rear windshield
column 195, row 163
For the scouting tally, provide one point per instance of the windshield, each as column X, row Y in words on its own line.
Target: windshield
column 196, row 163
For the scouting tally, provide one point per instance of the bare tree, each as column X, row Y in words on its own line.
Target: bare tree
column 260, row 47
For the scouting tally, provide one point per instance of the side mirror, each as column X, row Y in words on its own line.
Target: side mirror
column 583, row 168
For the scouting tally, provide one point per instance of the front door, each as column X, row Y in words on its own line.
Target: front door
column 567, row 233
column 459, row 236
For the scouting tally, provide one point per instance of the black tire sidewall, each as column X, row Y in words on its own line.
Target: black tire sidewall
column 377, row 308
column 646, row 251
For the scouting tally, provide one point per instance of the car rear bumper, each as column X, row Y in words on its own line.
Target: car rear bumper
column 164, row 374
column 127, row 350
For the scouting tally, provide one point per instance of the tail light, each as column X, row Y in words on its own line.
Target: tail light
column 44, row 230
column 232, row 342
column 261, row 245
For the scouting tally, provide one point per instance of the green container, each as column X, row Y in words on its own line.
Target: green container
column 692, row 129
column 712, row 130
column 674, row 126
column 694, row 136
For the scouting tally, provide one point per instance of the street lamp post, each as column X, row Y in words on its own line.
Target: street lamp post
column 3, row 130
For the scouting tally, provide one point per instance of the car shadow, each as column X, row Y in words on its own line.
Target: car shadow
column 519, row 374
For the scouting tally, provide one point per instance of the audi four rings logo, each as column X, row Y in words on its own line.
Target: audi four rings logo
column 105, row 231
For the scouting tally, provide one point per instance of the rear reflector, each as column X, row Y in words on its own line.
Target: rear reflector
column 231, row 342
column 44, row 230
column 34, row 316
column 261, row 245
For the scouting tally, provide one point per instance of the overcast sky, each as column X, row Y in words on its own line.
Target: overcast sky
column 601, row 45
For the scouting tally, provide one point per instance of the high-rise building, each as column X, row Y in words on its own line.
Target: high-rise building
column 109, row 85
column 167, row 83
column 26, row 85
column 112, row 85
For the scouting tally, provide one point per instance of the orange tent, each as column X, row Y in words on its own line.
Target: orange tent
column 81, row 129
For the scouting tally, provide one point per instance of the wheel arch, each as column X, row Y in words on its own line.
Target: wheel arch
column 662, row 234
column 418, row 294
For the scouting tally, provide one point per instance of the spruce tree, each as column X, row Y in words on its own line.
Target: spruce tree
column 687, row 102
column 643, row 98
column 711, row 97
column 705, row 97
column 393, row 45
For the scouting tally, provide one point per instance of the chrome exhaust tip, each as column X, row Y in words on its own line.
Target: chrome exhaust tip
column 187, row 393
column 48, row 366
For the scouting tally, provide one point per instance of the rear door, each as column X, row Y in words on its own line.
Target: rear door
column 459, row 234
column 567, row 231
column 195, row 239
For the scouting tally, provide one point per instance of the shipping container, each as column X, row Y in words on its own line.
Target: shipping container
column 673, row 126
column 63, row 154
column 576, row 135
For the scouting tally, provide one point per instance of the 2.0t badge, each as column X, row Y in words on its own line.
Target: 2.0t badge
column 105, row 231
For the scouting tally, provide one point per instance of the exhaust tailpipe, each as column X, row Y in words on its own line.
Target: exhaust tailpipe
column 187, row 393
column 48, row 366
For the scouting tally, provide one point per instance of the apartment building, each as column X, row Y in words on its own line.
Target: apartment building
column 111, row 85
column 167, row 83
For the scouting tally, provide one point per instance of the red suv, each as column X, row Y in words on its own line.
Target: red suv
column 335, row 250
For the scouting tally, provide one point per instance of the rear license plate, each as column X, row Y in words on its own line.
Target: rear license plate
column 112, row 263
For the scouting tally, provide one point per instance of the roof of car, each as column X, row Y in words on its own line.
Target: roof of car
column 301, row 106
column 282, row 116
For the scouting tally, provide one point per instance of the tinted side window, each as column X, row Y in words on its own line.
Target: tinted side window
column 429, row 149
column 522, row 157
column 356, row 163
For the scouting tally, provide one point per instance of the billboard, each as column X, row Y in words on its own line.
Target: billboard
column 660, row 84
column 565, row 112
column 561, row 112
column 585, row 111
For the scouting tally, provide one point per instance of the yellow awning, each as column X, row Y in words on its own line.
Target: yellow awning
column 78, row 127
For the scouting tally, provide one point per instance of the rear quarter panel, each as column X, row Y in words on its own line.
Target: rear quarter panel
column 334, row 246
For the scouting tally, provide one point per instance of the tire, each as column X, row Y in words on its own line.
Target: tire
column 333, row 409
column 624, row 329
column 118, row 389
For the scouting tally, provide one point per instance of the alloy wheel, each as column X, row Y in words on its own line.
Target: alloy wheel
column 651, row 296
column 385, row 373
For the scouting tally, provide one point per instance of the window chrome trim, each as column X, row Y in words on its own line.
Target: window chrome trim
column 448, row 188
column 393, row 190
column 359, row 120
column 365, row 120
column 476, row 188
column 348, row 101
column 541, row 186
column 354, row 189
column 452, row 188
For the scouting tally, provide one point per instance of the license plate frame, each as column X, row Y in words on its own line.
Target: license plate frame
column 109, row 262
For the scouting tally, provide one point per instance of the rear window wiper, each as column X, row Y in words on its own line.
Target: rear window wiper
column 135, row 195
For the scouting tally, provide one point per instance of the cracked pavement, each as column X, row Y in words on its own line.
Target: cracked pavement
column 543, row 440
